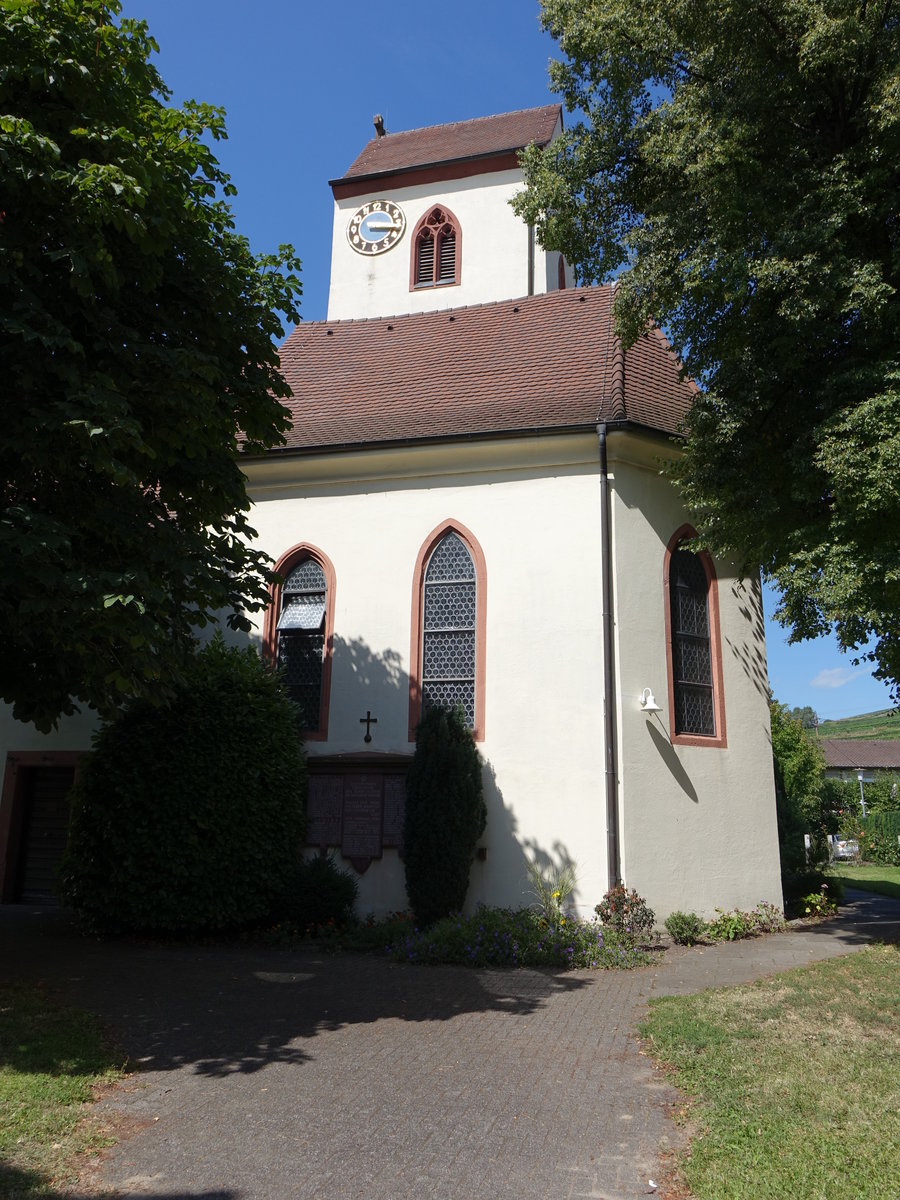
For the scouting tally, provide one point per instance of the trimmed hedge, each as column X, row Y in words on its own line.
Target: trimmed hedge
column 189, row 816
column 878, row 833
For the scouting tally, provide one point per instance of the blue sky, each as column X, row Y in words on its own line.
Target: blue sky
column 300, row 83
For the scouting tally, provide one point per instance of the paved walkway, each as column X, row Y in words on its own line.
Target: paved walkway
column 269, row 1073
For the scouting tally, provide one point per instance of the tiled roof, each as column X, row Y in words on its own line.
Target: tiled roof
column 539, row 363
column 462, row 139
column 863, row 755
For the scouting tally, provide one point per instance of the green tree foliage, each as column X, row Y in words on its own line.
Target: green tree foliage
column 739, row 164
column 445, row 815
column 799, row 784
column 189, row 815
column 807, row 717
column 136, row 333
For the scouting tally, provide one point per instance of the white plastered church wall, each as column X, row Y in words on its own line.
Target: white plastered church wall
column 697, row 822
column 494, row 250
column 539, row 531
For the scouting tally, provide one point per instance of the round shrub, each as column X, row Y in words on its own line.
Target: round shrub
column 445, row 815
column 685, row 928
column 319, row 893
column 189, row 816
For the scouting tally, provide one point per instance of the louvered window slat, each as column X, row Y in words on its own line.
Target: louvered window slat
column 425, row 260
column 448, row 258
column 436, row 250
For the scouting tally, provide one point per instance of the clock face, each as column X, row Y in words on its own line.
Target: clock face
column 376, row 227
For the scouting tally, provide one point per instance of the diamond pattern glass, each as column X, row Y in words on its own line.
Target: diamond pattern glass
column 449, row 695
column 448, row 649
column 450, row 560
column 301, row 637
column 692, row 656
column 308, row 576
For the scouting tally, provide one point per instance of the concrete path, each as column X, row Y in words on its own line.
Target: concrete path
column 267, row 1073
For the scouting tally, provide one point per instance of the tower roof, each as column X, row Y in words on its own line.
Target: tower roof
column 540, row 363
column 484, row 137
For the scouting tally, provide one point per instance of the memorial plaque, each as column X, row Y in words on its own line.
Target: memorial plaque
column 362, row 816
column 323, row 810
column 394, row 809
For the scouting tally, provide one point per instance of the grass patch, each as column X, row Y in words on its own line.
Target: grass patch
column 795, row 1081
column 870, row 877
column 883, row 725
column 51, row 1057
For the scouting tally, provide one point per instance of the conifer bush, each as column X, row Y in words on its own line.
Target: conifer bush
column 189, row 816
column 445, row 815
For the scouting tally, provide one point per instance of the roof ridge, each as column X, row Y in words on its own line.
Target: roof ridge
column 513, row 112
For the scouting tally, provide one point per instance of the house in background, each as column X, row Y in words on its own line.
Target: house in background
column 853, row 759
column 470, row 510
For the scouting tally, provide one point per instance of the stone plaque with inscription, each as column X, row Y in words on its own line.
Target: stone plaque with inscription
column 394, row 809
column 362, row 816
column 324, row 803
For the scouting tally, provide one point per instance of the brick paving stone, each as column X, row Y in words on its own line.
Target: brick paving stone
column 282, row 1074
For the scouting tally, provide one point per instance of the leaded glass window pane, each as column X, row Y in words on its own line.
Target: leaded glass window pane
column 301, row 637
column 691, row 652
column 448, row 649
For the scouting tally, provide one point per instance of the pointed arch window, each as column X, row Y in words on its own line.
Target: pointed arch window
column 436, row 250
column 448, row 647
column 695, row 664
column 299, row 633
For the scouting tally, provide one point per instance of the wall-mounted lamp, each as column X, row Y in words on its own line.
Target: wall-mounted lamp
column 648, row 702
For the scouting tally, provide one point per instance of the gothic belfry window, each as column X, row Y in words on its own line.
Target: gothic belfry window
column 436, row 250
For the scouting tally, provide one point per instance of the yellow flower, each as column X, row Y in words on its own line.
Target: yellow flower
column 556, row 895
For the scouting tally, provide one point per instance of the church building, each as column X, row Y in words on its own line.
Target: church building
column 471, row 508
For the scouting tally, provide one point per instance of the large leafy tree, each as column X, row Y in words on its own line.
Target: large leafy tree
column 737, row 165
column 136, row 335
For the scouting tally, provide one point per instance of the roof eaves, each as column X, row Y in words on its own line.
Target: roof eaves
column 426, row 165
column 480, row 435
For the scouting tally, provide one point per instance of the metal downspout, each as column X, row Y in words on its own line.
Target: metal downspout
column 609, row 719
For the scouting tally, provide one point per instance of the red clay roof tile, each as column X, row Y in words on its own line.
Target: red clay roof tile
column 462, row 139
column 850, row 754
column 539, row 363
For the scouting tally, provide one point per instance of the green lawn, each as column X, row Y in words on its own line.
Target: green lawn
column 794, row 1079
column 50, row 1059
column 870, row 877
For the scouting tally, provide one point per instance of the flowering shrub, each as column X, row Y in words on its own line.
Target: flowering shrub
column 819, row 904
column 729, row 926
column 516, row 938
column 627, row 913
column 551, row 889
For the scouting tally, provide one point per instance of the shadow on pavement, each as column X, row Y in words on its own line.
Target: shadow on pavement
column 16, row 1182
column 228, row 1008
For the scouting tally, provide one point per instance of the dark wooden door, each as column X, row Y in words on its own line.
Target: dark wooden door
column 44, row 835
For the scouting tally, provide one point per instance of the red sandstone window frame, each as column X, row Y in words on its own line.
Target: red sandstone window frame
column 451, row 219
column 719, row 739
column 290, row 559
column 417, row 623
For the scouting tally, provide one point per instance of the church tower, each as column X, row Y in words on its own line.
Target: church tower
column 422, row 219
